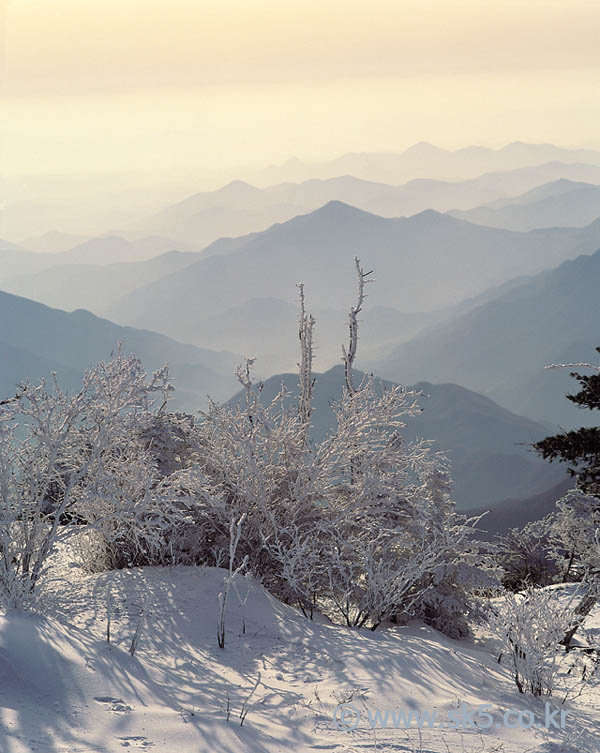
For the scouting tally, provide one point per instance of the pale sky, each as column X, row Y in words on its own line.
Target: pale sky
column 141, row 86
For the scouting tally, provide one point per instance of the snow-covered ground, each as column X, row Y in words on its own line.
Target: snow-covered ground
column 64, row 689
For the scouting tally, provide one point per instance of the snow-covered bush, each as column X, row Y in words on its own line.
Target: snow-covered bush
column 255, row 463
column 133, row 516
column 530, row 627
column 523, row 554
column 571, row 534
column 559, row 548
column 455, row 590
column 57, row 456
column 171, row 439
column 361, row 525
column 392, row 526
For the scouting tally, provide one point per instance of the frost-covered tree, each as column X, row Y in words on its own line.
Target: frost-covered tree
column 57, row 454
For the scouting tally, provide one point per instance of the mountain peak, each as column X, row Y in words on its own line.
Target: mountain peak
column 338, row 209
column 430, row 216
column 238, row 186
column 425, row 148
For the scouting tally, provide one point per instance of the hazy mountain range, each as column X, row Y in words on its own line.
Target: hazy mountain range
column 77, row 205
column 515, row 513
column 53, row 242
column 424, row 160
column 421, row 263
column 239, row 208
column 572, row 204
column 108, row 249
column 487, row 445
column 92, row 286
column 501, row 347
column 36, row 340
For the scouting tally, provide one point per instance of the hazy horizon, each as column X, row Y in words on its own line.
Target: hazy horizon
column 127, row 89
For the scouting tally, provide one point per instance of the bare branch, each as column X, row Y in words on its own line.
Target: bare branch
column 349, row 355
column 305, row 332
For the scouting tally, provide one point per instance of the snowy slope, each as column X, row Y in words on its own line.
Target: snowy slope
column 64, row 689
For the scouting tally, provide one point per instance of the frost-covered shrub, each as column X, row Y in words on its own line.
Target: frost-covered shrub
column 571, row 535
column 134, row 517
column 255, row 463
column 454, row 591
column 530, row 627
column 53, row 456
column 393, row 526
column 524, row 556
column 171, row 439
column 361, row 525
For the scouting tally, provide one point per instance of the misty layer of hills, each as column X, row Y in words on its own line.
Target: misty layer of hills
column 52, row 279
column 470, row 305
column 570, row 204
column 424, row 160
column 239, row 208
column 93, row 286
column 501, row 348
column 36, row 340
column 422, row 263
column 16, row 260
column 47, row 204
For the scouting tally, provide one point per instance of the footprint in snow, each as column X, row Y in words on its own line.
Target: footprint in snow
column 113, row 704
column 135, row 740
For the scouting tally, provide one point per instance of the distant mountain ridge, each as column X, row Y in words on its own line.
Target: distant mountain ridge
column 422, row 263
column 573, row 204
column 502, row 347
column 239, row 208
column 92, row 286
column 36, row 340
column 515, row 513
column 53, row 242
column 16, row 260
column 426, row 160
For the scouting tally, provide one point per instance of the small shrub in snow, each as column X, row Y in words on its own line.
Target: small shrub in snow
column 530, row 627
column 523, row 554
column 235, row 530
column 57, row 450
column 571, row 533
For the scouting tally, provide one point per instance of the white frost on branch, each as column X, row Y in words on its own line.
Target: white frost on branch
column 349, row 355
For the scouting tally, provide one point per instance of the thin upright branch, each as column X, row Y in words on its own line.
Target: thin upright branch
column 348, row 355
column 243, row 374
column 305, row 333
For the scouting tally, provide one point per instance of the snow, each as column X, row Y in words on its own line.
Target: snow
column 64, row 689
